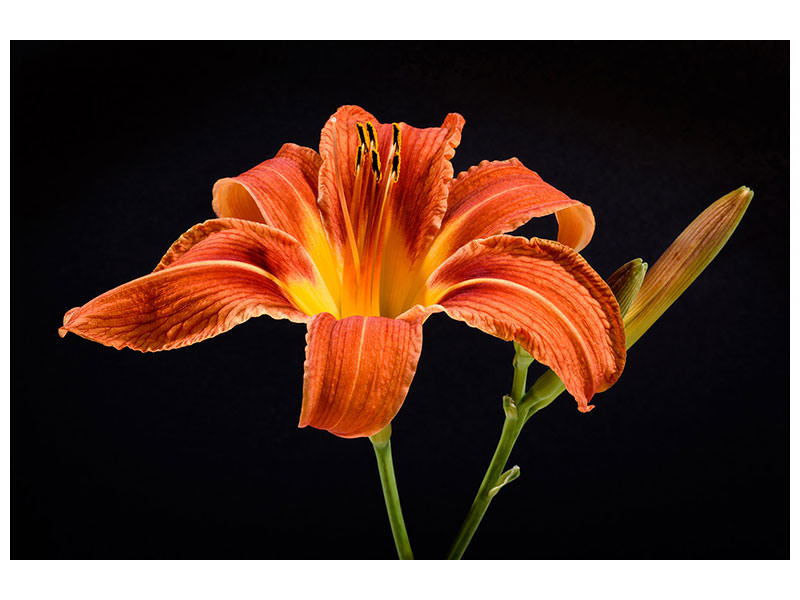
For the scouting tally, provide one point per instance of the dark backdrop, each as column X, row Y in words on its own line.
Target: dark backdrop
column 195, row 453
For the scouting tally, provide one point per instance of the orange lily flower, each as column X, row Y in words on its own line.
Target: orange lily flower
column 362, row 242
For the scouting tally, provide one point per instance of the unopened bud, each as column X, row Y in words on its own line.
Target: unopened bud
column 684, row 260
column 626, row 281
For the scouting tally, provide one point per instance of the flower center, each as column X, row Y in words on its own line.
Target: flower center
column 367, row 217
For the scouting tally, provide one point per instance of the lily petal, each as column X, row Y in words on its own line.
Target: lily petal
column 497, row 197
column 338, row 147
column 233, row 271
column 422, row 188
column 420, row 207
column 357, row 372
column 282, row 193
column 543, row 295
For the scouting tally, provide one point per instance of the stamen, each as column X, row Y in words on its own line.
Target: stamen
column 367, row 217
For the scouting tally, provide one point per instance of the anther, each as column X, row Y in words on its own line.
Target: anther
column 376, row 166
column 362, row 137
column 372, row 135
column 396, row 136
column 396, row 166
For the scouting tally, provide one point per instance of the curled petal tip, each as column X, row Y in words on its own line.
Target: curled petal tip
column 64, row 329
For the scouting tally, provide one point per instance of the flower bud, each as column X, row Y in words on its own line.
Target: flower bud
column 684, row 260
column 626, row 281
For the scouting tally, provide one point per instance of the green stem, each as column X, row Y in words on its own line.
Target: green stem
column 522, row 361
column 495, row 478
column 518, row 385
column 383, row 453
column 489, row 486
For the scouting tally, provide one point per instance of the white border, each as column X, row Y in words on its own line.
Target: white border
column 553, row 580
column 417, row 19
column 410, row 19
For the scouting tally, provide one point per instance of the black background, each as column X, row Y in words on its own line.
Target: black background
column 195, row 453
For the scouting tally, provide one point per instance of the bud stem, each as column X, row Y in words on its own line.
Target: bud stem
column 495, row 478
column 491, row 484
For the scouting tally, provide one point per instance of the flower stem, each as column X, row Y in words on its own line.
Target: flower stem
column 492, row 481
column 522, row 361
column 383, row 453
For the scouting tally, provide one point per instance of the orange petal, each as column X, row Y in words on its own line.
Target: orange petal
column 338, row 146
column 543, row 295
column 179, row 306
column 282, row 192
column 497, row 197
column 425, row 172
column 227, row 276
column 357, row 372
column 421, row 191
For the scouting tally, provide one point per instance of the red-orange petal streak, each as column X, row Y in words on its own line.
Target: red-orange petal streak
column 357, row 372
column 282, row 192
column 272, row 250
column 245, row 241
column 425, row 171
column 216, row 275
column 543, row 295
